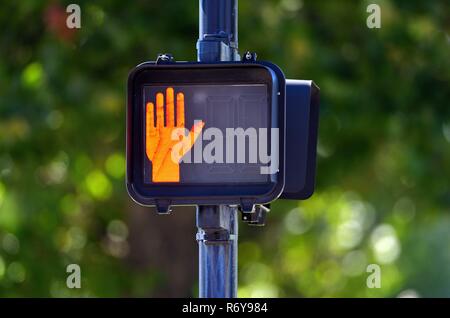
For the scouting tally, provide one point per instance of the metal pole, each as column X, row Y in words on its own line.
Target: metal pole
column 218, row 31
column 217, row 225
column 217, row 242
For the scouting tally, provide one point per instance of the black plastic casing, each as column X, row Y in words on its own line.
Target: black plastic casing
column 302, row 122
column 165, row 195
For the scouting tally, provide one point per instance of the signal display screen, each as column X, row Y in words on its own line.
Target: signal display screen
column 207, row 134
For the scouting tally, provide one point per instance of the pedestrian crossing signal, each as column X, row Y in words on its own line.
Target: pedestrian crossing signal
column 210, row 134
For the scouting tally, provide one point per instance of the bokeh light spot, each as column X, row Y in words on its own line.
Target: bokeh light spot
column 115, row 165
column 16, row 272
column 296, row 223
column 385, row 244
column 32, row 75
column 98, row 185
column 10, row 243
column 117, row 231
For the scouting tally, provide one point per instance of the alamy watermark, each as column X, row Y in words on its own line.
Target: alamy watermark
column 74, row 278
column 374, row 19
column 73, row 20
column 374, row 279
column 236, row 145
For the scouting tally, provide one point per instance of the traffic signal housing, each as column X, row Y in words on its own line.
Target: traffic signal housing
column 206, row 134
column 302, row 123
column 235, row 133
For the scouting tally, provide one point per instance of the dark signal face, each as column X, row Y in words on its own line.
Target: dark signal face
column 206, row 133
column 199, row 133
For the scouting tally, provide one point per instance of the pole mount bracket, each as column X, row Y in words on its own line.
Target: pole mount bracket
column 163, row 206
column 164, row 58
column 258, row 216
column 249, row 57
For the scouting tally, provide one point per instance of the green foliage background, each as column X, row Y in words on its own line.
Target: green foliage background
column 384, row 149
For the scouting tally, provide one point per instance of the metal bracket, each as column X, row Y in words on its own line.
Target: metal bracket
column 247, row 206
column 214, row 224
column 249, row 57
column 163, row 206
column 258, row 217
column 164, row 58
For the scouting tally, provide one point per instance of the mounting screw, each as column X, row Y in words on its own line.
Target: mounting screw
column 250, row 56
column 164, row 58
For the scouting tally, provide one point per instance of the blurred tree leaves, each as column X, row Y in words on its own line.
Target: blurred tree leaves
column 383, row 174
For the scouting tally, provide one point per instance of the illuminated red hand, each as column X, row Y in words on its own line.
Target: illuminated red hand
column 160, row 138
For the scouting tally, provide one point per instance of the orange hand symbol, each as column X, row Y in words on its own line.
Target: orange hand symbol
column 160, row 138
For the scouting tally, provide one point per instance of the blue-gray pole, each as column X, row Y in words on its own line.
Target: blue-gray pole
column 218, row 31
column 217, row 225
column 217, row 243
